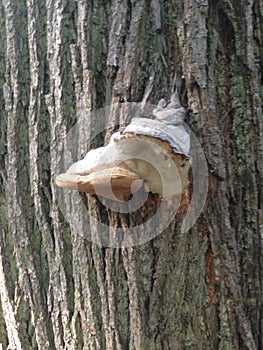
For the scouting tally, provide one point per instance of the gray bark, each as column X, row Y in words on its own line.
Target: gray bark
column 202, row 289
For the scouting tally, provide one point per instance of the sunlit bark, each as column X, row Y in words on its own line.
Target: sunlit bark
column 202, row 289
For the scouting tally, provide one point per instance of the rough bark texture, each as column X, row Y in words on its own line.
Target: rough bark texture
column 196, row 290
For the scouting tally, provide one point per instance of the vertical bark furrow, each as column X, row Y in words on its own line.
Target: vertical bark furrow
column 18, row 192
column 110, row 273
column 107, row 338
column 8, row 313
column 117, row 34
column 4, row 242
column 136, row 326
column 125, row 77
column 57, row 46
column 38, row 150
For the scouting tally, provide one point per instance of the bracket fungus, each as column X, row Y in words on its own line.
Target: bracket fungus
column 149, row 154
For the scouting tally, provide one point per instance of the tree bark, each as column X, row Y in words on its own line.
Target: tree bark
column 60, row 60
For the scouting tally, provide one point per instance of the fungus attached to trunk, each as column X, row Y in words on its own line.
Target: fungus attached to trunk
column 149, row 153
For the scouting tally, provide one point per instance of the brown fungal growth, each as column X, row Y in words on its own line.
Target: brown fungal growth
column 113, row 183
column 149, row 153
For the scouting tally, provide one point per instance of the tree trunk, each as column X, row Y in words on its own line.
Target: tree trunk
column 200, row 289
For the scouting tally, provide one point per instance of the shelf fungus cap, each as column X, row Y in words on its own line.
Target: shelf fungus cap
column 149, row 153
column 175, row 135
column 115, row 183
column 167, row 125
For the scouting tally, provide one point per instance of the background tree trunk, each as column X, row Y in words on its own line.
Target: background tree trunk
column 196, row 290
